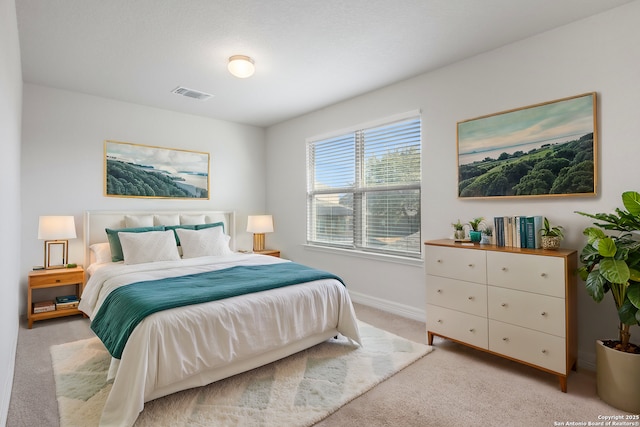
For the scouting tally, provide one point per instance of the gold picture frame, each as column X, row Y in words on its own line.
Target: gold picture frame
column 146, row 171
column 542, row 150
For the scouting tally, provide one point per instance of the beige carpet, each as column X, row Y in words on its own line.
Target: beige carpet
column 297, row 391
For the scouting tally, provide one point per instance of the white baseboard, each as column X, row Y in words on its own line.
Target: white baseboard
column 388, row 306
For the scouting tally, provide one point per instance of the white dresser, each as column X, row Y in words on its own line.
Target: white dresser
column 512, row 302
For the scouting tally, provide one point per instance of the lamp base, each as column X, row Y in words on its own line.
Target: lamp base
column 258, row 242
column 56, row 254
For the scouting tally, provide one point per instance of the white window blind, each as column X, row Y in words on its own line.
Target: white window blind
column 363, row 189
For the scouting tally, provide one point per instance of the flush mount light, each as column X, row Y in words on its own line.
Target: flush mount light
column 241, row 66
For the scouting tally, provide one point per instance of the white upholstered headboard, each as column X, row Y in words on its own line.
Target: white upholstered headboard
column 95, row 223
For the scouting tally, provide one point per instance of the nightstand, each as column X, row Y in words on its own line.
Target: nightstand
column 271, row 252
column 41, row 279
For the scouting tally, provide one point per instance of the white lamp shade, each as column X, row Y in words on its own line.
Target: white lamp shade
column 260, row 224
column 241, row 66
column 56, row 228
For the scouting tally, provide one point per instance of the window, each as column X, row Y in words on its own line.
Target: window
column 363, row 189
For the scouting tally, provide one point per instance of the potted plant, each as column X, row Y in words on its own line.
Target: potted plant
column 551, row 236
column 475, row 234
column 458, row 230
column 487, row 236
column 612, row 263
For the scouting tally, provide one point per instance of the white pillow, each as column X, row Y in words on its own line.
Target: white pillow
column 134, row 221
column 204, row 242
column 101, row 252
column 166, row 219
column 150, row 246
column 191, row 219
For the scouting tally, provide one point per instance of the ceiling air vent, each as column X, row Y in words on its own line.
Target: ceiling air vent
column 201, row 96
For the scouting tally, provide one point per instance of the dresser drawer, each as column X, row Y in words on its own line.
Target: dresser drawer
column 463, row 264
column 533, row 311
column 531, row 273
column 457, row 325
column 63, row 277
column 458, row 295
column 537, row 348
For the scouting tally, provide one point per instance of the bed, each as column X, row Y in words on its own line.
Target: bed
column 224, row 333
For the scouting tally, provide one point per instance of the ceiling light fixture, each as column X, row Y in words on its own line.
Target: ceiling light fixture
column 241, row 66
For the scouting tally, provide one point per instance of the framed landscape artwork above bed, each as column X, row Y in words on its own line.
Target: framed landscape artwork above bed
column 134, row 170
column 547, row 149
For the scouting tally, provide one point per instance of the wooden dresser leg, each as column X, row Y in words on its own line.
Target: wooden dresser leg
column 563, row 383
column 429, row 338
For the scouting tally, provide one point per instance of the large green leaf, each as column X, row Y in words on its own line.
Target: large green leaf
column 627, row 313
column 614, row 270
column 634, row 275
column 631, row 201
column 607, row 247
column 595, row 285
column 593, row 234
column 633, row 293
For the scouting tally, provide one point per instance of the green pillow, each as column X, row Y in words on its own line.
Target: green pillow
column 210, row 225
column 114, row 240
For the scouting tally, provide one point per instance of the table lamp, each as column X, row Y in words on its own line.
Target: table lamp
column 258, row 225
column 56, row 232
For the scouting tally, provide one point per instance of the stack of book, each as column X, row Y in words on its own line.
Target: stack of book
column 43, row 307
column 67, row 302
column 518, row 231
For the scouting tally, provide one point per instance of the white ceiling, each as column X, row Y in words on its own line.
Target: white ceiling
column 308, row 54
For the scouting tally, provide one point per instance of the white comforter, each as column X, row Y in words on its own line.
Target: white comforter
column 195, row 345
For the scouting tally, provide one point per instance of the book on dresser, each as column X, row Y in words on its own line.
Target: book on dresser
column 520, row 231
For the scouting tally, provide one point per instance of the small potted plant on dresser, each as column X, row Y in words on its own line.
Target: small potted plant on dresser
column 612, row 263
column 551, row 236
column 458, row 230
column 475, row 234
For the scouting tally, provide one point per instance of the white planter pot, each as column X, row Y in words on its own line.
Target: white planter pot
column 617, row 378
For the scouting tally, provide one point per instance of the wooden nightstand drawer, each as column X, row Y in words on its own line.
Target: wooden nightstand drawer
column 271, row 252
column 56, row 278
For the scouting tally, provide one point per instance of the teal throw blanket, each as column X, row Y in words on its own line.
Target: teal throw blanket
column 128, row 305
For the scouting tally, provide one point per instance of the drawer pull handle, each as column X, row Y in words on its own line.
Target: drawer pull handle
column 471, row 265
column 57, row 280
column 504, row 268
column 544, row 351
column 504, row 304
column 544, row 313
column 505, row 339
column 440, row 261
column 470, row 298
column 439, row 291
column 439, row 320
column 472, row 330
column 543, row 275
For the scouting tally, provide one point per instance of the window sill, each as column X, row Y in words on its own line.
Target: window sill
column 414, row 262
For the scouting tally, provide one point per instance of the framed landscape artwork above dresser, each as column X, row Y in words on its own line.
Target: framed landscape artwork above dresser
column 543, row 150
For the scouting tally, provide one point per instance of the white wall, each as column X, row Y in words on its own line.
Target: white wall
column 10, row 117
column 62, row 162
column 597, row 54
